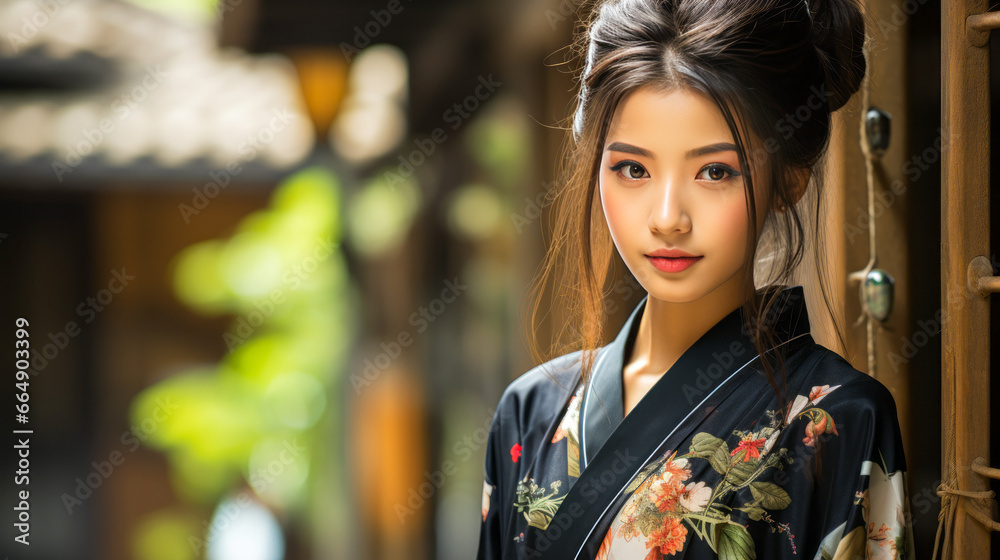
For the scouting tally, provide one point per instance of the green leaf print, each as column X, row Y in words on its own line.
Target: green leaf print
column 535, row 504
column 707, row 446
column 735, row 543
column 756, row 513
column 741, row 472
column 770, row 495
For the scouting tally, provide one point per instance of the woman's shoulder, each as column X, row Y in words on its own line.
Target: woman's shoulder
column 837, row 381
column 544, row 387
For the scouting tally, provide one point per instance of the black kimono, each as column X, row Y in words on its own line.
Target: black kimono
column 706, row 465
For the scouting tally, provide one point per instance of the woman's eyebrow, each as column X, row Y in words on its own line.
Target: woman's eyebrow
column 710, row 149
column 629, row 149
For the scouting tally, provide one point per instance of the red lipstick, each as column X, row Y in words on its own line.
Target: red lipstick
column 672, row 260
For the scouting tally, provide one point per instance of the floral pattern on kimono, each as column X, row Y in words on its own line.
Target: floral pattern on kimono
column 886, row 533
column 821, row 479
column 535, row 503
column 666, row 507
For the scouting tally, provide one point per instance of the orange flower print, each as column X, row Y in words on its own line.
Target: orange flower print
column 801, row 402
column 816, row 394
column 667, row 540
column 751, row 446
column 664, row 494
column 880, row 536
column 559, row 435
column 602, row 553
column 677, row 468
column 821, row 423
column 810, row 438
column 570, row 419
column 667, row 488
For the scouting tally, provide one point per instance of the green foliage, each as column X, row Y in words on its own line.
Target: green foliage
column 282, row 278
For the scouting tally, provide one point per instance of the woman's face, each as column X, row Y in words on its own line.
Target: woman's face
column 670, row 180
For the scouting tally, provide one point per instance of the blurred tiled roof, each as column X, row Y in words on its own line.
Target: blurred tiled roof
column 103, row 88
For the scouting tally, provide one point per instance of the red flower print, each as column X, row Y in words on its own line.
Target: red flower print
column 751, row 446
column 515, row 452
column 667, row 540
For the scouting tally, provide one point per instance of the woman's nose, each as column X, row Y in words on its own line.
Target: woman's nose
column 668, row 212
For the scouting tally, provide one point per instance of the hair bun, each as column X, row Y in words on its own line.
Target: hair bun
column 839, row 35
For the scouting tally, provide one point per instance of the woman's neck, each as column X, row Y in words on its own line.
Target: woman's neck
column 668, row 329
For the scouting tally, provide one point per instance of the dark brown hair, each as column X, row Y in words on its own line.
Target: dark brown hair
column 776, row 69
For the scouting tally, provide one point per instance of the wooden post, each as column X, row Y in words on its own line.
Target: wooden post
column 965, row 332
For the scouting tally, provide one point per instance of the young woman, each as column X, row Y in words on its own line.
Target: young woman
column 713, row 425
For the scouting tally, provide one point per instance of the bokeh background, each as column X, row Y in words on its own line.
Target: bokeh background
column 274, row 254
column 271, row 255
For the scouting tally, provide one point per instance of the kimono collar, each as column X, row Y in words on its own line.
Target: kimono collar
column 602, row 408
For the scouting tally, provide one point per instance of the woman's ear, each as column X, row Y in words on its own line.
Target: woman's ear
column 798, row 181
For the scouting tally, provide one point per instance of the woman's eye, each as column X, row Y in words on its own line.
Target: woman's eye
column 718, row 172
column 629, row 170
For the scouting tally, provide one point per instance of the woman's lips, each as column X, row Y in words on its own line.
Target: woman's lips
column 668, row 264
